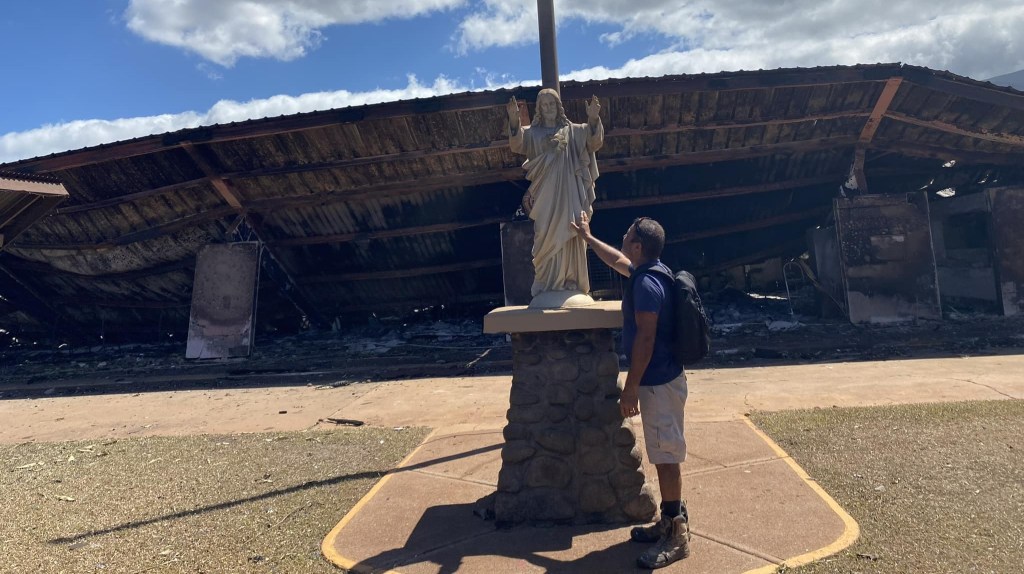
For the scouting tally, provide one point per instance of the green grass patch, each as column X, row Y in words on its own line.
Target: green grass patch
column 228, row 503
column 935, row 488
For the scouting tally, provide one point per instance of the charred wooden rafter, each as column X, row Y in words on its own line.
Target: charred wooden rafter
column 804, row 215
column 39, row 268
column 400, row 273
column 777, row 250
column 871, row 128
column 947, row 153
column 1008, row 139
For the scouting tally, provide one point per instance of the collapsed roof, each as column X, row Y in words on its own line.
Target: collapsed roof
column 396, row 206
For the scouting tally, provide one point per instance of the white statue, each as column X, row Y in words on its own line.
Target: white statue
column 561, row 169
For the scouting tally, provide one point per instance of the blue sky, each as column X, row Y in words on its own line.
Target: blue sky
column 84, row 72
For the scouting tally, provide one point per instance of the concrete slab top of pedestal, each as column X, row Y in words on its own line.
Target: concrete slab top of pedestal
column 522, row 319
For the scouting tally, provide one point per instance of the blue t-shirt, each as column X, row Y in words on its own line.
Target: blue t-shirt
column 650, row 293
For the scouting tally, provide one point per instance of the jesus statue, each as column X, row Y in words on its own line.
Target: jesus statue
column 561, row 168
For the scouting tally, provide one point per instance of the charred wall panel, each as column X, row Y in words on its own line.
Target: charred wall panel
column 963, row 252
column 825, row 252
column 224, row 301
column 888, row 266
column 1008, row 242
column 517, row 261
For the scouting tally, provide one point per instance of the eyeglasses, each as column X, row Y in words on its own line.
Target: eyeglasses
column 640, row 235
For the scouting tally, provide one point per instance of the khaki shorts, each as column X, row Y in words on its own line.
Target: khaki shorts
column 661, row 411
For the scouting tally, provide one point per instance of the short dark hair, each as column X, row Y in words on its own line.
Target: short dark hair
column 651, row 236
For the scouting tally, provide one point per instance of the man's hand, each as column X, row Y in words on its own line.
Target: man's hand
column 629, row 403
column 583, row 227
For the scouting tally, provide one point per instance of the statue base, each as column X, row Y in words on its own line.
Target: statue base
column 569, row 456
column 561, row 300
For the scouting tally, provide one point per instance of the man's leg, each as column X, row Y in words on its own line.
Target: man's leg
column 663, row 417
column 671, row 485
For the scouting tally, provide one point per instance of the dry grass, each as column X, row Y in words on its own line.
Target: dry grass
column 935, row 488
column 213, row 504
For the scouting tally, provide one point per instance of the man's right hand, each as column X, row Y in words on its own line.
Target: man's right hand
column 629, row 403
column 582, row 227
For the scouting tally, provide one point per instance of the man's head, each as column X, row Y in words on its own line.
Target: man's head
column 549, row 109
column 643, row 241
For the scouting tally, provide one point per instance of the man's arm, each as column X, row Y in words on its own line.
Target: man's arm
column 643, row 348
column 611, row 256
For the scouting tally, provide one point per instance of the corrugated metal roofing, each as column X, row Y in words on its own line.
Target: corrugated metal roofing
column 397, row 205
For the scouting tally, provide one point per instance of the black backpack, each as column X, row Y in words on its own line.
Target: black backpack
column 691, row 340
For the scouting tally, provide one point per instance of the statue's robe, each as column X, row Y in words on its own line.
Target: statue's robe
column 561, row 187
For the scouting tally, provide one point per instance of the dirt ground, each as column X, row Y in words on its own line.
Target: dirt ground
column 283, row 389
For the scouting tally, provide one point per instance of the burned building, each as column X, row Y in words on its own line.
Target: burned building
column 393, row 207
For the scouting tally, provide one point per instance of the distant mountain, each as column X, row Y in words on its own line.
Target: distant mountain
column 1013, row 79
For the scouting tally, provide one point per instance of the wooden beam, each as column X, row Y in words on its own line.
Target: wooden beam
column 389, row 189
column 216, row 180
column 400, row 273
column 25, row 298
column 38, row 268
column 757, row 256
column 386, row 233
column 731, row 124
column 13, row 209
column 110, row 202
column 121, row 303
column 135, row 236
column 892, row 85
column 727, row 154
column 1008, row 139
column 946, row 154
column 717, row 193
column 751, row 225
column 858, row 170
column 407, row 304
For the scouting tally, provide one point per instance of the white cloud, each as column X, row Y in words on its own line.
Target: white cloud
column 222, row 31
column 84, row 133
column 977, row 40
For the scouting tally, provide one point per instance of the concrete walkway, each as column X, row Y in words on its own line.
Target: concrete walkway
column 751, row 506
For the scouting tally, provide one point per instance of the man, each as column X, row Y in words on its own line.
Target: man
column 655, row 386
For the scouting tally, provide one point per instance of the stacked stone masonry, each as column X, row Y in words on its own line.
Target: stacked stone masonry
column 569, row 456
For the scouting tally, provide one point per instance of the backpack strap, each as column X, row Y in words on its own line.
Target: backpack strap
column 659, row 269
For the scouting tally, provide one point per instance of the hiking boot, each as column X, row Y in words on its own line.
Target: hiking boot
column 673, row 546
column 652, row 533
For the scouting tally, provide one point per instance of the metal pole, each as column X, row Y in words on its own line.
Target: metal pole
column 548, row 47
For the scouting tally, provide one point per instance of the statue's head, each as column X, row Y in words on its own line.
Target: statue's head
column 549, row 109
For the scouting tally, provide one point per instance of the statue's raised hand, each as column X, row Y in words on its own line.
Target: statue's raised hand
column 593, row 109
column 513, row 113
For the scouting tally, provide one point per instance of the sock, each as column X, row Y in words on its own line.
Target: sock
column 671, row 508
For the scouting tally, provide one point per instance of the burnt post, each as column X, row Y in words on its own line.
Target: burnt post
column 548, row 47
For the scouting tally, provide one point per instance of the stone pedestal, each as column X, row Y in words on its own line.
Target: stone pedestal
column 569, row 456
